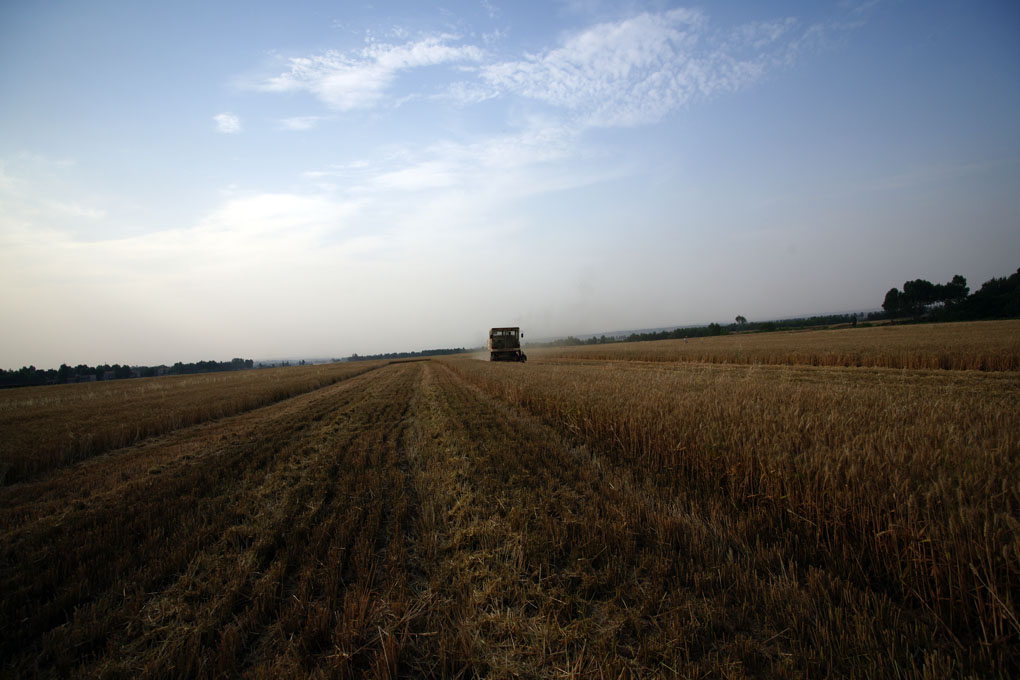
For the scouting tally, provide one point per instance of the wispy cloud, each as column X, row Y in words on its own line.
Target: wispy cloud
column 227, row 123
column 629, row 72
column 359, row 78
column 35, row 190
column 635, row 71
column 301, row 123
column 75, row 209
column 234, row 272
column 758, row 35
column 490, row 9
column 474, row 165
column 261, row 260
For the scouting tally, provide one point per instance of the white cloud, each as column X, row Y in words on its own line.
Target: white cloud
column 425, row 175
column 490, row 9
column 226, row 285
column 227, row 123
column 476, row 166
column 625, row 73
column 242, row 234
column 468, row 93
column 758, row 35
column 360, row 78
column 635, row 71
column 301, row 123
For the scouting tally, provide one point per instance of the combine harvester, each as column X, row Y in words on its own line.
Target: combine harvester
column 505, row 344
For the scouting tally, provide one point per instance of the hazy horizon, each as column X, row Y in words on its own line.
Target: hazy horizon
column 190, row 182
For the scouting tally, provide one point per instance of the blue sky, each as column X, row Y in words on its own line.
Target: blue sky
column 208, row 180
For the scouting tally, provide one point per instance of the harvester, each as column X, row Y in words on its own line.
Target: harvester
column 505, row 344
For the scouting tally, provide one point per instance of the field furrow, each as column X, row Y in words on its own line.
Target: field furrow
column 235, row 549
column 46, row 428
column 556, row 560
column 898, row 485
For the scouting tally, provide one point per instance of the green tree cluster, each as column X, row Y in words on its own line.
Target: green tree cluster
column 998, row 298
column 919, row 296
column 235, row 364
column 704, row 331
column 30, row 375
column 406, row 355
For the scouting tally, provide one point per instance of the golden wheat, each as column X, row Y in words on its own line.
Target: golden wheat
column 904, row 481
column 978, row 346
column 46, row 427
column 564, row 518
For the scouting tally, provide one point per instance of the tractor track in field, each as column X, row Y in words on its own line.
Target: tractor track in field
column 159, row 554
column 551, row 561
column 405, row 522
column 399, row 523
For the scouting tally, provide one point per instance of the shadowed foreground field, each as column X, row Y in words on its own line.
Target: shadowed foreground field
column 560, row 518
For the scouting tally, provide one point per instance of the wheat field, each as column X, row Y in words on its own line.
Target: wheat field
column 975, row 346
column 616, row 511
column 48, row 427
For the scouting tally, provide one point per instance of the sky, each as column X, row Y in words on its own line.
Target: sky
column 191, row 180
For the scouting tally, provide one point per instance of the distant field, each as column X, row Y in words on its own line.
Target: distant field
column 48, row 427
column 625, row 510
column 976, row 346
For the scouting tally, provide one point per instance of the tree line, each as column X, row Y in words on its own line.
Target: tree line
column 920, row 300
column 30, row 375
column 406, row 355
column 741, row 325
column 998, row 298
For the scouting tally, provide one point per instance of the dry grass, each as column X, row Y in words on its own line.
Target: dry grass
column 974, row 346
column 563, row 518
column 903, row 483
column 42, row 428
column 272, row 541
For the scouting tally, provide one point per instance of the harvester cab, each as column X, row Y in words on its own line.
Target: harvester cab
column 505, row 344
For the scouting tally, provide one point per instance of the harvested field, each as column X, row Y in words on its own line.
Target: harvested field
column 48, row 427
column 568, row 517
column 974, row 346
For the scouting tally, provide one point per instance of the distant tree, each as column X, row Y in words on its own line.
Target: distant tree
column 998, row 298
column 741, row 320
column 955, row 291
column 892, row 302
column 714, row 329
column 920, row 295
